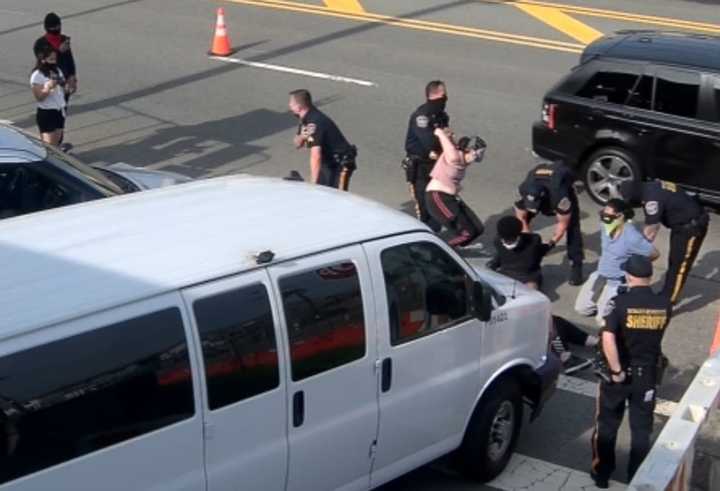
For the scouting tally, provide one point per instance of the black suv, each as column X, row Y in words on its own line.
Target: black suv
column 641, row 105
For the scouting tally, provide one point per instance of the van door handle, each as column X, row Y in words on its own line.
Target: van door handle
column 386, row 377
column 298, row 408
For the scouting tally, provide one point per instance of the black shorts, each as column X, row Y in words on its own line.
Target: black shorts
column 49, row 120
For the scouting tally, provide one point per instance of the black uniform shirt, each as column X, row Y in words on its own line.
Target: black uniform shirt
column 321, row 131
column 420, row 140
column 557, row 180
column 666, row 204
column 638, row 319
column 521, row 263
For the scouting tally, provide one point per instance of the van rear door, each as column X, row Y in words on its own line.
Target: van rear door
column 244, row 391
column 328, row 314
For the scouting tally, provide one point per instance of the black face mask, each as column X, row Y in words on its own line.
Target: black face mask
column 437, row 105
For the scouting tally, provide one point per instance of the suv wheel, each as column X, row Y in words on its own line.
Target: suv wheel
column 492, row 433
column 605, row 169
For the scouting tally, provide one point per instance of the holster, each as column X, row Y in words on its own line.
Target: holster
column 347, row 160
column 410, row 166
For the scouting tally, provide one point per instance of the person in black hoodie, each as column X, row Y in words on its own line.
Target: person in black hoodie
column 61, row 44
column 518, row 254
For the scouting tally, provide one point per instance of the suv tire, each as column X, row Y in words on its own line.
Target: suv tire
column 492, row 433
column 605, row 169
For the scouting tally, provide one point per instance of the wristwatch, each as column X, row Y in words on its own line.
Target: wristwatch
column 616, row 373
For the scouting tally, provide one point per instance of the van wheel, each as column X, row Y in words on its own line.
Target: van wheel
column 492, row 433
column 605, row 170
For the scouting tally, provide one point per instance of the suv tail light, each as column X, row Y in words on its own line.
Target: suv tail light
column 548, row 115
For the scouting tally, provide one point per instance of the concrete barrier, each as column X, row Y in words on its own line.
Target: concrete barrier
column 668, row 466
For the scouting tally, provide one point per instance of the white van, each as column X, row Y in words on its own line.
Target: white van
column 254, row 334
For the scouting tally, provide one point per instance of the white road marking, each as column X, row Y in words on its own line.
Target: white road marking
column 296, row 71
column 586, row 388
column 529, row 474
column 6, row 121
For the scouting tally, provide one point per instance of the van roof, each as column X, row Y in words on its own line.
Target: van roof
column 668, row 47
column 68, row 262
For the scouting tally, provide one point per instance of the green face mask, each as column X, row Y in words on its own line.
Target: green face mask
column 611, row 227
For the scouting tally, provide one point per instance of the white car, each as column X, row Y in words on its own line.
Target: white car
column 255, row 334
column 35, row 176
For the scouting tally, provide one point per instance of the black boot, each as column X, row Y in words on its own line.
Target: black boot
column 600, row 482
column 576, row 274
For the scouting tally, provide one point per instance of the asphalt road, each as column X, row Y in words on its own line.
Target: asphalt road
column 150, row 96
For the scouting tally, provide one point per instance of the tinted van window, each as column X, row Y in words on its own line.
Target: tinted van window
column 325, row 321
column 677, row 92
column 238, row 343
column 609, row 86
column 80, row 394
column 426, row 290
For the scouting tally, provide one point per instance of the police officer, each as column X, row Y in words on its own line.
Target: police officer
column 631, row 344
column 683, row 214
column 423, row 148
column 548, row 189
column 332, row 157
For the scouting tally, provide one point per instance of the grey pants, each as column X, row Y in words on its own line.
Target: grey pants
column 594, row 296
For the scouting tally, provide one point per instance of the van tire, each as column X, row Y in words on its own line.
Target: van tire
column 621, row 166
column 498, row 415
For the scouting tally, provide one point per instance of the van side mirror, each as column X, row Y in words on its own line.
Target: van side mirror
column 482, row 301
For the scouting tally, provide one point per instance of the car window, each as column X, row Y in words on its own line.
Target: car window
column 324, row 317
column 24, row 189
column 641, row 95
column 426, row 290
column 75, row 396
column 237, row 335
column 82, row 171
column 677, row 92
column 609, row 86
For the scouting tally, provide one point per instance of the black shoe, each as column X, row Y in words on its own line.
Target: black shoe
column 66, row 147
column 574, row 364
column 576, row 275
column 600, row 482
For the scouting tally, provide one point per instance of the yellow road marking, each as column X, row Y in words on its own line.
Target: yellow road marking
column 419, row 25
column 345, row 5
column 619, row 15
column 561, row 21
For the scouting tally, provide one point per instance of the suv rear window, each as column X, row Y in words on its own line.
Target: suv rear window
column 677, row 92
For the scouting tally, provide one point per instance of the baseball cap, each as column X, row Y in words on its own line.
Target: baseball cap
column 631, row 192
column 638, row 266
column 533, row 196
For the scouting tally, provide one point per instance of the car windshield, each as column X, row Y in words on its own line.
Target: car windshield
column 73, row 166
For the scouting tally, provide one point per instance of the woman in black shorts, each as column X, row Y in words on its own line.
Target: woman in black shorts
column 48, row 87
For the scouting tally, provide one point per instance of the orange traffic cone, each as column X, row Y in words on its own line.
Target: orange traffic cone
column 221, row 40
column 716, row 340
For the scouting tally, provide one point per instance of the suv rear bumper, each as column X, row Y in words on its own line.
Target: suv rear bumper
column 547, row 375
column 548, row 144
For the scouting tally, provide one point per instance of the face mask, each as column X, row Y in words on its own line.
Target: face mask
column 511, row 245
column 437, row 105
column 611, row 227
